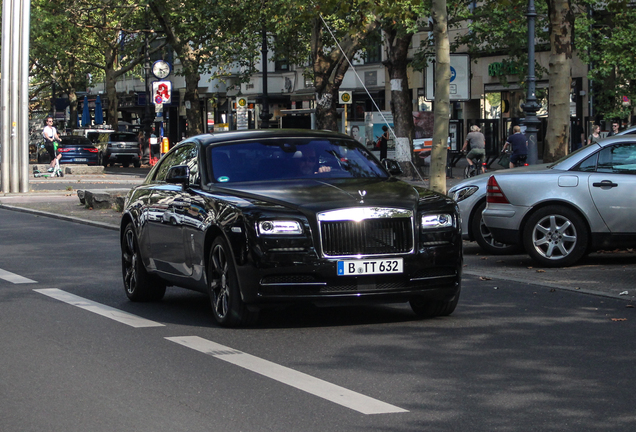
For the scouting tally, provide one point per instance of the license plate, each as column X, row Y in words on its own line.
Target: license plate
column 80, row 159
column 370, row 267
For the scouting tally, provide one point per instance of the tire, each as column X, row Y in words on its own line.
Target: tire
column 227, row 306
column 482, row 236
column 104, row 161
column 138, row 283
column 555, row 236
column 427, row 308
column 137, row 164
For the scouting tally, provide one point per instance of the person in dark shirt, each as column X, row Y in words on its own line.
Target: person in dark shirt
column 615, row 128
column 519, row 145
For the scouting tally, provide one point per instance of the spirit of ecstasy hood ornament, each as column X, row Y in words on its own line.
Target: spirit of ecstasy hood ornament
column 362, row 195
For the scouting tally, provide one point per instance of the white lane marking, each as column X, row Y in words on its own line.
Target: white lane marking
column 14, row 278
column 299, row 380
column 100, row 309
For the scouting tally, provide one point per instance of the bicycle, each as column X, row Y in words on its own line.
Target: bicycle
column 478, row 167
column 521, row 160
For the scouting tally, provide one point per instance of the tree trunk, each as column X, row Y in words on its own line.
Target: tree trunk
column 326, row 93
column 329, row 71
column 558, row 130
column 442, row 96
column 72, row 101
column 401, row 100
column 110, row 82
column 195, row 123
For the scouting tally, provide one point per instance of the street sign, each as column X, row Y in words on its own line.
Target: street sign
column 162, row 90
column 344, row 97
column 242, row 116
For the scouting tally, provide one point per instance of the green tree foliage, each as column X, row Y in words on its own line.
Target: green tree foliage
column 54, row 47
column 605, row 39
column 112, row 31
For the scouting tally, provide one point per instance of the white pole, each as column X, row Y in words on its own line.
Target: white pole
column 24, row 96
column 7, row 7
column 14, row 112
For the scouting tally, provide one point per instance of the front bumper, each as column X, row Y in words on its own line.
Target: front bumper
column 434, row 272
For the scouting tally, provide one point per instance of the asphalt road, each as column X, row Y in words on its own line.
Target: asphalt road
column 513, row 357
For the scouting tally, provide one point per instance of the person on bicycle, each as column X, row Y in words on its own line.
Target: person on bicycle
column 50, row 138
column 519, row 145
column 477, row 143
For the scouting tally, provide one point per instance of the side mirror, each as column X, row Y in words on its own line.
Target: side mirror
column 392, row 166
column 178, row 174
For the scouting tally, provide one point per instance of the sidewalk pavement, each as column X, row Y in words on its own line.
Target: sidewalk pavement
column 609, row 273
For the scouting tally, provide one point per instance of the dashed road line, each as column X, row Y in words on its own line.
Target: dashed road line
column 14, row 278
column 99, row 309
column 317, row 387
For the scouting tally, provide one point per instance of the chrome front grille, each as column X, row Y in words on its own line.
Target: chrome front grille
column 366, row 231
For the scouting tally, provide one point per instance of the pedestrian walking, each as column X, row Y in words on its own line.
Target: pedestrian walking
column 578, row 135
column 384, row 142
column 615, row 129
column 595, row 136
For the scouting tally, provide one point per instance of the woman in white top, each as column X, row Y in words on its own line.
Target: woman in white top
column 50, row 137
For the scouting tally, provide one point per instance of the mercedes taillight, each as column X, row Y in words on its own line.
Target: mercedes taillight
column 494, row 194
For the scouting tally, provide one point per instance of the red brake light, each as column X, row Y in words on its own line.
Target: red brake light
column 92, row 149
column 64, row 150
column 494, row 193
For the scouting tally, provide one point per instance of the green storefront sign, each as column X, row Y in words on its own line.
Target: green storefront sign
column 503, row 68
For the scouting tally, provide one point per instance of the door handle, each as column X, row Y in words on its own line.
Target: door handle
column 605, row 183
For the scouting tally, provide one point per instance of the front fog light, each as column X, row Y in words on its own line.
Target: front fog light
column 437, row 221
column 279, row 227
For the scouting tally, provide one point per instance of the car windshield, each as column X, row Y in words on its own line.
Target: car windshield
column 301, row 158
column 123, row 137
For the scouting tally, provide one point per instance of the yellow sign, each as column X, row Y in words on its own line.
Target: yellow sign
column 242, row 102
column 345, row 97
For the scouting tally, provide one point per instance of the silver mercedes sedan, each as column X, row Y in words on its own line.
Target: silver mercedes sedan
column 470, row 195
column 559, row 212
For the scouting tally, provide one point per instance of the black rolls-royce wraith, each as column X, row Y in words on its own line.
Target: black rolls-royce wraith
column 268, row 217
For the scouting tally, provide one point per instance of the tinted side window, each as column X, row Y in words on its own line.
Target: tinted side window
column 183, row 155
column 619, row 159
column 589, row 164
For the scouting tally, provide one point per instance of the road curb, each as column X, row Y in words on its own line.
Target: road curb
column 61, row 217
column 482, row 274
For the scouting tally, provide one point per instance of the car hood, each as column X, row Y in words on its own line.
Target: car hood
column 317, row 195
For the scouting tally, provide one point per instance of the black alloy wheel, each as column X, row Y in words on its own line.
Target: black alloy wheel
column 483, row 237
column 138, row 283
column 227, row 306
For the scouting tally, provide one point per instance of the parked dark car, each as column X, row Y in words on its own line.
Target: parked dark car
column 119, row 147
column 74, row 150
column 264, row 218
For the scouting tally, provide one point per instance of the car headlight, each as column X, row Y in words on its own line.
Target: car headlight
column 279, row 227
column 463, row 193
column 433, row 221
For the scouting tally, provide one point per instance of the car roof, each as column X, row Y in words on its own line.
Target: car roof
column 616, row 139
column 255, row 134
column 75, row 139
column 628, row 131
